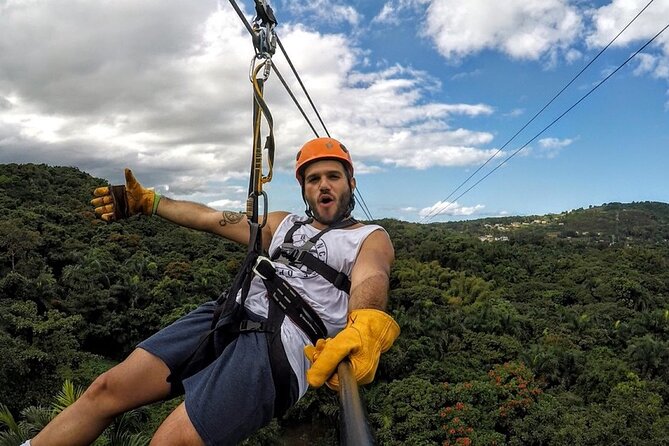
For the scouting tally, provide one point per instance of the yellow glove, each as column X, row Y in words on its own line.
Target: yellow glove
column 118, row 202
column 367, row 334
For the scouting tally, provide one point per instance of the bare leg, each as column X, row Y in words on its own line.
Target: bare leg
column 140, row 379
column 177, row 430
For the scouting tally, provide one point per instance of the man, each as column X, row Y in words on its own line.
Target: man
column 256, row 374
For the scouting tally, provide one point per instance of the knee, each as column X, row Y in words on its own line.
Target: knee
column 104, row 394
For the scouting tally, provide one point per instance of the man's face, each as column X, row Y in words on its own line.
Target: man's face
column 327, row 190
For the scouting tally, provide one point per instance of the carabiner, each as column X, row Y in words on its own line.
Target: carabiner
column 255, row 69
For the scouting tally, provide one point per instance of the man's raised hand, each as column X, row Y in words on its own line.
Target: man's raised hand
column 119, row 202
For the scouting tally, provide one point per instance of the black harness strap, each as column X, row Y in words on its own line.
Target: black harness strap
column 290, row 302
column 285, row 381
column 290, row 254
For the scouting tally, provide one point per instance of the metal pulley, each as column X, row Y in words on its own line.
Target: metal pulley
column 264, row 39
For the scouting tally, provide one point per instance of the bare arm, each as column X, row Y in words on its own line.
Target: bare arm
column 371, row 273
column 370, row 331
column 231, row 225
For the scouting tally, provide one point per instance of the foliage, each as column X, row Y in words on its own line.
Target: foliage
column 68, row 395
column 124, row 431
column 549, row 330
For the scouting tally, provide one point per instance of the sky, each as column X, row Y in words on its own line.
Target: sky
column 426, row 94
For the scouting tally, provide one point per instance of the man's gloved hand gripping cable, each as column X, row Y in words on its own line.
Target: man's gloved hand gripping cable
column 368, row 333
column 119, row 202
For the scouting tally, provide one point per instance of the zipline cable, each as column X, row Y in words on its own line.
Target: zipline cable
column 295, row 101
column 553, row 122
column 358, row 195
column 299, row 79
column 357, row 192
column 438, row 211
column 363, row 204
column 246, row 23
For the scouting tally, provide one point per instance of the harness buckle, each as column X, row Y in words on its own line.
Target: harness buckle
column 295, row 254
column 255, row 267
column 248, row 325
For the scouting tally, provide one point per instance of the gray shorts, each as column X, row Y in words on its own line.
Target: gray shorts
column 233, row 396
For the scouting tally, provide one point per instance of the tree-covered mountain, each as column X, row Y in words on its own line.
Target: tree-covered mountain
column 540, row 330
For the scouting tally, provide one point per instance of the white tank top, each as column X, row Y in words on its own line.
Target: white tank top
column 338, row 248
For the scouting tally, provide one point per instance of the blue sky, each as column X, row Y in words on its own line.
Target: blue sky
column 422, row 92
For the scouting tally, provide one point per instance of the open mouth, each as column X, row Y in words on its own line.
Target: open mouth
column 326, row 200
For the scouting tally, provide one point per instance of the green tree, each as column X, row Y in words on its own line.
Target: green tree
column 649, row 355
column 36, row 349
column 16, row 241
column 632, row 414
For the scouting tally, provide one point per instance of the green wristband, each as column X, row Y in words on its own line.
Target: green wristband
column 156, row 200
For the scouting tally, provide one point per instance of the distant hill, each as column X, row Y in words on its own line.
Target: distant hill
column 33, row 185
column 610, row 222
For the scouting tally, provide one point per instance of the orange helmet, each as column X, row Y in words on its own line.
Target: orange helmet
column 321, row 149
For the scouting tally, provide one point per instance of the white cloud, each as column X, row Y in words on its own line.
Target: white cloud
column 383, row 115
column 551, row 147
column 323, row 10
column 515, row 113
column 657, row 67
column 362, row 168
column 610, row 19
column 387, row 15
column 135, row 83
column 466, row 75
column 441, row 156
column 394, row 11
column 5, row 103
column 572, row 55
column 523, row 29
column 226, row 204
column 552, row 143
column 449, row 208
column 163, row 88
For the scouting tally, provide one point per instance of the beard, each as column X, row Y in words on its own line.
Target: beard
column 340, row 212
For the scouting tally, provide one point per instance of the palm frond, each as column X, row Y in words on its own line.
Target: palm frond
column 7, row 419
column 67, row 395
column 127, row 439
column 9, row 438
column 17, row 437
column 37, row 417
column 130, row 421
column 123, row 432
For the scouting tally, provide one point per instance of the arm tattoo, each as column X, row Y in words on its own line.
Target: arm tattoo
column 231, row 217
